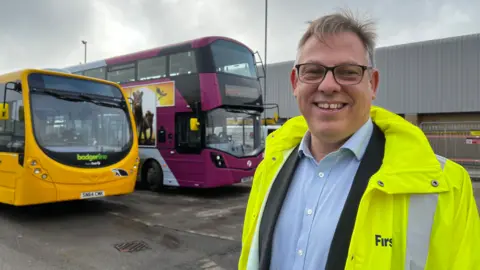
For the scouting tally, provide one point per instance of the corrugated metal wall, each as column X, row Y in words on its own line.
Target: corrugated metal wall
column 279, row 89
column 426, row 77
column 431, row 77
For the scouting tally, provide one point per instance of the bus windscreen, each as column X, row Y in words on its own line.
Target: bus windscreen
column 79, row 122
column 233, row 58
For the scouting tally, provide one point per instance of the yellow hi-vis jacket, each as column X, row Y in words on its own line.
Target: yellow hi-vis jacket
column 424, row 202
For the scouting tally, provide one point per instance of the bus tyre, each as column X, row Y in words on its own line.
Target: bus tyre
column 153, row 176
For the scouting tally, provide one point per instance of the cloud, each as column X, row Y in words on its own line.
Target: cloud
column 49, row 32
column 448, row 21
column 41, row 33
column 115, row 34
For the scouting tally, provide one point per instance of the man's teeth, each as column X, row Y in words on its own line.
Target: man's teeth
column 330, row 106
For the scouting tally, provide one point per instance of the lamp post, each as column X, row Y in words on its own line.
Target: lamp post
column 85, row 54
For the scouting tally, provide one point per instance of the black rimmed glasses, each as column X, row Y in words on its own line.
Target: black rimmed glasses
column 345, row 74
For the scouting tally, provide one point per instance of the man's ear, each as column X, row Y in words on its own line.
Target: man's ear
column 374, row 81
column 294, row 80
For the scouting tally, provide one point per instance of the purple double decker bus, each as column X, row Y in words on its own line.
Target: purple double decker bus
column 197, row 107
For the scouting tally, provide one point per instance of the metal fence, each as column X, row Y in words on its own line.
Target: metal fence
column 458, row 141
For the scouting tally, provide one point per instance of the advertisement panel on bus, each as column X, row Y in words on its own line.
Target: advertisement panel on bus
column 145, row 99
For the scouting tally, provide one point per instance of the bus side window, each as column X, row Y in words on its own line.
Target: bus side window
column 12, row 131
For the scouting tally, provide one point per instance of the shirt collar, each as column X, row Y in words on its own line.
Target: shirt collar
column 357, row 143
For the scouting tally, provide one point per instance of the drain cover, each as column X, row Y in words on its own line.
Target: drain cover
column 132, row 246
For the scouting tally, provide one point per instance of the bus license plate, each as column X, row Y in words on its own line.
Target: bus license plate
column 92, row 194
column 247, row 179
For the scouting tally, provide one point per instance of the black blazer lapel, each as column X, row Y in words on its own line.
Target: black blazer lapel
column 369, row 165
column 273, row 206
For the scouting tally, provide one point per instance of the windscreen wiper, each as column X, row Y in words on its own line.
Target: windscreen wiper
column 81, row 97
column 58, row 95
column 111, row 104
column 244, row 112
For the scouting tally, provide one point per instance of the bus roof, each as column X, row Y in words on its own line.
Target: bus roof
column 194, row 43
column 18, row 74
column 58, row 70
column 11, row 76
column 54, row 71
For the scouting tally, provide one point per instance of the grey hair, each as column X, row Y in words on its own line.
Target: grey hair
column 342, row 21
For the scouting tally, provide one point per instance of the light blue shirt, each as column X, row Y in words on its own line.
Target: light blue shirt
column 314, row 202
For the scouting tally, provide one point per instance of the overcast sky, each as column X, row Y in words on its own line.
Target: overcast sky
column 48, row 33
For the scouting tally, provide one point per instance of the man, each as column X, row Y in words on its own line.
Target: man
column 348, row 185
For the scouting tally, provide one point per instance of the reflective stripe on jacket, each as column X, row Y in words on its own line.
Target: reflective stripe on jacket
column 418, row 210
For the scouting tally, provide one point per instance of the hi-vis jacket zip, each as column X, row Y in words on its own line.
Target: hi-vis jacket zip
column 418, row 211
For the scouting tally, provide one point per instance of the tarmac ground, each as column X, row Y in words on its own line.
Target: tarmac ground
column 174, row 229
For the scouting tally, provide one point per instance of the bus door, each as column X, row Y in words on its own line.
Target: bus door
column 185, row 159
column 12, row 145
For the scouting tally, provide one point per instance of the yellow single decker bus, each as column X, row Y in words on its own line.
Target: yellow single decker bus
column 64, row 137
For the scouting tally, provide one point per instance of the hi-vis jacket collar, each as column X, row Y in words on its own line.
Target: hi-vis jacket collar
column 409, row 166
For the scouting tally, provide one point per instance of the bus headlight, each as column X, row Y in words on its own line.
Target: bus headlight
column 137, row 161
column 37, row 169
column 135, row 165
column 218, row 160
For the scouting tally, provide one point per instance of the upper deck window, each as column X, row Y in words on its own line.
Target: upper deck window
column 121, row 73
column 98, row 73
column 183, row 63
column 152, row 68
column 233, row 58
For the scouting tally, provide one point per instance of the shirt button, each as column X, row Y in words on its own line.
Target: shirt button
column 300, row 252
column 320, row 174
column 309, row 211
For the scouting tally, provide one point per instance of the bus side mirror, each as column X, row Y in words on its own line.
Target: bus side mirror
column 4, row 111
column 194, row 124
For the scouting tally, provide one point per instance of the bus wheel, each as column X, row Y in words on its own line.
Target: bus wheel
column 153, row 176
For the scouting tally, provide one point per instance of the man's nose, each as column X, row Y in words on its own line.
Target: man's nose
column 329, row 84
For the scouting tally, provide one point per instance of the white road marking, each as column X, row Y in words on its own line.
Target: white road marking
column 149, row 224
column 218, row 212
column 210, row 265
